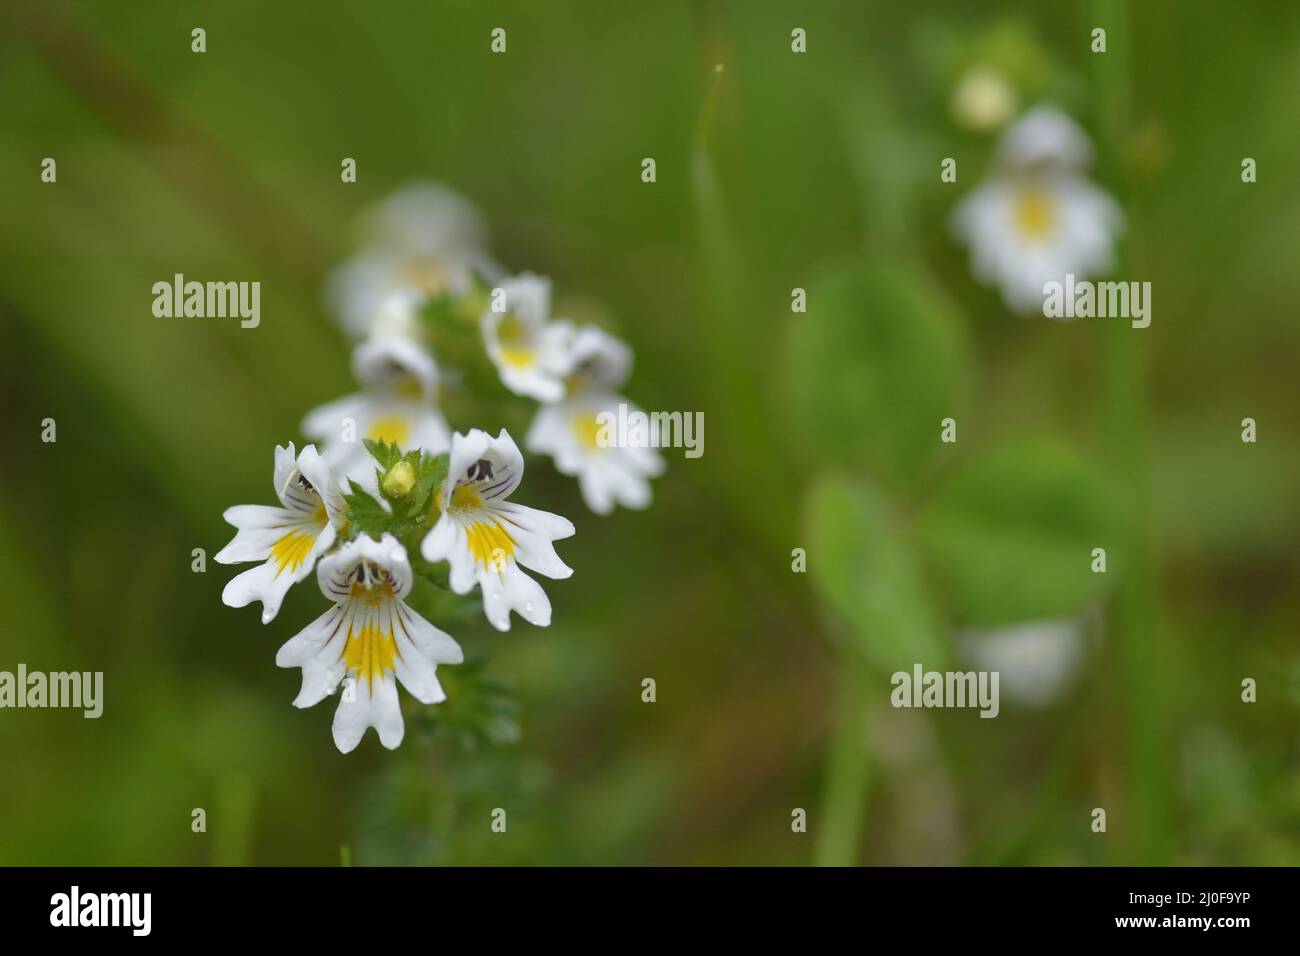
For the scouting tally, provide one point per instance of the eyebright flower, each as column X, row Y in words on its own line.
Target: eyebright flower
column 528, row 350
column 570, row 431
column 397, row 407
column 1037, row 217
column 289, row 538
column 424, row 238
column 594, row 359
column 486, row 539
column 371, row 636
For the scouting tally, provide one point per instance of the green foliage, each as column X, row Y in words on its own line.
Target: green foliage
column 405, row 514
column 480, row 709
column 872, row 369
column 861, row 564
column 1012, row 530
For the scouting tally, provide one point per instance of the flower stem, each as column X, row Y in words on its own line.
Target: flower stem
column 1134, row 618
column 848, row 770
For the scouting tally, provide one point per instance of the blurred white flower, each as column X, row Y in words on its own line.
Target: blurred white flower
column 608, row 475
column 529, row 350
column 397, row 406
column 371, row 635
column 1036, row 217
column 1037, row 661
column 289, row 538
column 486, row 539
column 983, row 99
column 423, row 238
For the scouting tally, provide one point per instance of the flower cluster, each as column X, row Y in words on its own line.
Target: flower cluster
column 392, row 492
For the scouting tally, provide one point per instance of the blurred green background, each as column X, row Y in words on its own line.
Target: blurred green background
column 817, row 171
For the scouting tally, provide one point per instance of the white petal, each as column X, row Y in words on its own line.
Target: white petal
column 532, row 532
column 512, row 590
column 318, row 650
column 261, row 583
column 285, row 463
column 353, row 714
column 325, row 423
column 420, row 648
column 370, row 704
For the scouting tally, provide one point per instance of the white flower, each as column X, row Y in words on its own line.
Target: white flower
column 371, row 636
column 396, row 365
column 486, row 539
column 398, row 316
column 610, row 475
column 1045, row 136
column 423, row 237
column 595, row 365
column 529, row 351
column 289, row 538
column 1036, row 218
column 397, row 407
column 594, row 359
column 1037, row 662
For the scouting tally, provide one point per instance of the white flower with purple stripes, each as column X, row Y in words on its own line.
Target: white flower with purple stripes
column 486, row 539
column 373, row 639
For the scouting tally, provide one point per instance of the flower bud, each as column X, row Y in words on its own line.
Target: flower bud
column 400, row 480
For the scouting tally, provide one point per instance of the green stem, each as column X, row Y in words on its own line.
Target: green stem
column 1134, row 624
column 848, row 770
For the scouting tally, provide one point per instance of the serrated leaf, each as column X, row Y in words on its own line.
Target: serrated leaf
column 1011, row 534
column 862, row 567
column 387, row 455
column 365, row 514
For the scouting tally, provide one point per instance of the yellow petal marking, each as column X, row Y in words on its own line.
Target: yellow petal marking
column 291, row 551
column 489, row 543
column 369, row 652
column 393, row 429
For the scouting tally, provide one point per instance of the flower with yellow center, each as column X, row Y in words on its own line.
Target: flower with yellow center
column 1038, row 217
column 527, row 348
column 486, row 539
column 609, row 474
column 423, row 239
column 397, row 407
column 287, row 539
column 371, row 638
column 570, row 432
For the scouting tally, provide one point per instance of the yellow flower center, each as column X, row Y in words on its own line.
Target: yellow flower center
column 1035, row 214
column 588, row 428
column 512, row 339
column 425, row 274
column 393, row 429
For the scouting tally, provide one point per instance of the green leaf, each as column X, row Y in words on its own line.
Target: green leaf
column 365, row 514
column 387, row 455
column 431, row 472
column 1011, row 534
column 862, row 567
column 872, row 369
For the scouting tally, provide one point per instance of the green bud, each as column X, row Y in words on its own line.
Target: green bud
column 400, row 480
